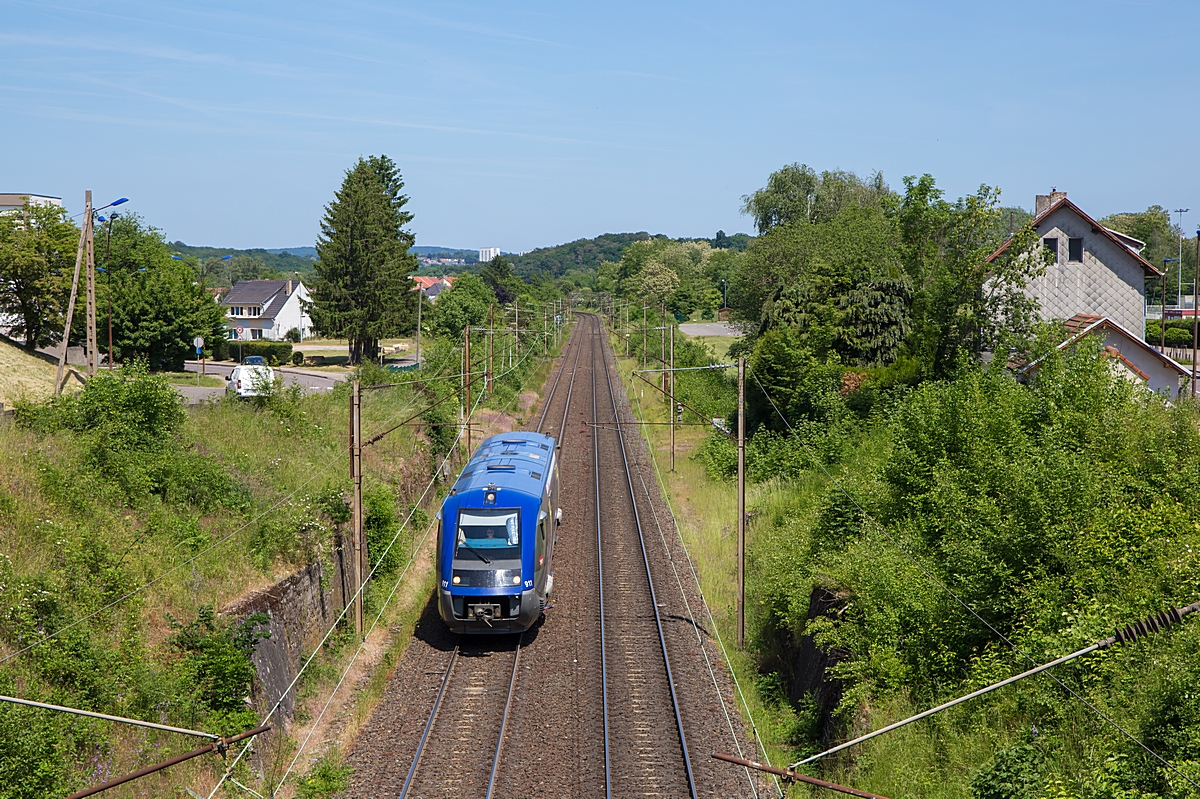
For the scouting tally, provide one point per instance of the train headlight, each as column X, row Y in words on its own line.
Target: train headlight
column 516, row 579
column 456, row 580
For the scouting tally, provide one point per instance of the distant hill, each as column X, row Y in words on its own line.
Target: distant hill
column 303, row 252
column 578, row 254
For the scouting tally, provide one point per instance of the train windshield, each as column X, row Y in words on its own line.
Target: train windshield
column 488, row 535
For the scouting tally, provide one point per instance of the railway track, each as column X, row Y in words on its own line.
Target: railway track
column 589, row 704
column 472, row 706
column 645, row 749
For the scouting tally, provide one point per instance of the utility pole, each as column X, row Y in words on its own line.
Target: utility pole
column 517, row 331
column 420, row 298
column 1195, row 318
column 741, row 503
column 1179, row 283
column 491, row 345
column 662, row 343
column 357, row 510
column 62, row 355
column 91, row 299
column 672, row 397
column 467, row 387
column 108, row 276
column 644, row 306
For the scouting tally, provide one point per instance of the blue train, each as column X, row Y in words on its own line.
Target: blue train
column 496, row 532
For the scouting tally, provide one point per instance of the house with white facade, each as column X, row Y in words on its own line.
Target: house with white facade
column 15, row 201
column 1095, row 271
column 267, row 309
column 1127, row 353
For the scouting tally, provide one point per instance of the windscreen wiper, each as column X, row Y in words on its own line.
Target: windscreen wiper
column 475, row 552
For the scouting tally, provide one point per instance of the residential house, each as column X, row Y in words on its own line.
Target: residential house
column 488, row 253
column 1095, row 271
column 1129, row 355
column 12, row 201
column 433, row 286
column 267, row 309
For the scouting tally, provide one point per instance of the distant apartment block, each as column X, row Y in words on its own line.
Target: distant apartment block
column 488, row 253
column 11, row 201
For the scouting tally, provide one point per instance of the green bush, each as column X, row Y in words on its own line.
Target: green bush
column 217, row 666
column 297, row 358
column 327, row 779
column 1178, row 338
column 275, row 352
column 380, row 525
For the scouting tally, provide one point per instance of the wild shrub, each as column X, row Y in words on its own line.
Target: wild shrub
column 216, row 665
column 380, row 525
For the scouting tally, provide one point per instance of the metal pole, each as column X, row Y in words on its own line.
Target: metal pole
column 662, row 335
column 644, row 335
column 1162, row 316
column 1195, row 318
column 91, row 299
column 357, row 514
column 420, row 298
column 62, row 355
column 672, row 397
column 741, row 503
column 467, row 387
column 491, row 345
column 218, row 745
column 517, row 330
column 108, row 274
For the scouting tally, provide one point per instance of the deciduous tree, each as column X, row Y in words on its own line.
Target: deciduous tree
column 37, row 260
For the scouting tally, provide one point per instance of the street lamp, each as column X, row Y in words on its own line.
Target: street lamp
column 1162, row 317
column 725, row 289
column 1179, row 283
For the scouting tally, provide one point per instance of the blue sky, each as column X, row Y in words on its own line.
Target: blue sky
column 522, row 124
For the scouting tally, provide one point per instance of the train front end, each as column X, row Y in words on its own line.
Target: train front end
column 489, row 578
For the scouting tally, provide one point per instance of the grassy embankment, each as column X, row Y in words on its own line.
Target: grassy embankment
column 222, row 501
column 1058, row 511
column 27, row 376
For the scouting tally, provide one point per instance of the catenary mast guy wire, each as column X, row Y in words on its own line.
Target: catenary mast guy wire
column 945, row 588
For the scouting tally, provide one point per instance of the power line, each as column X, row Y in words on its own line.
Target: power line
column 933, row 578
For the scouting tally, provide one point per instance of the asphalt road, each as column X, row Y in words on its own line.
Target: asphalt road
column 708, row 329
column 310, row 379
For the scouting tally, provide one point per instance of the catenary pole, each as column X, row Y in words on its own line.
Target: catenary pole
column 1195, row 315
column 467, row 386
column 91, row 299
column 420, row 298
column 108, row 280
column 491, row 345
column 741, row 503
column 357, row 511
column 672, row 397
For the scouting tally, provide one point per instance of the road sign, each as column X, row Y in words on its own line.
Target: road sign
column 239, row 332
column 198, row 341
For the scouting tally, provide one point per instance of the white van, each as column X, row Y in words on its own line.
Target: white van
column 251, row 378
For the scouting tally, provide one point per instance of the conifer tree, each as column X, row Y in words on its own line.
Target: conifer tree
column 363, row 290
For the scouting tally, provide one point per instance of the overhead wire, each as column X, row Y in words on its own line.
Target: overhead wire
column 665, row 493
column 227, row 775
column 949, row 592
column 417, row 548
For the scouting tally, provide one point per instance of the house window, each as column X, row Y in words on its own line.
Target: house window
column 1051, row 244
column 1074, row 249
column 255, row 333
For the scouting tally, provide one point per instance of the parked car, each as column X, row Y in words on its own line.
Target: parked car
column 251, row 378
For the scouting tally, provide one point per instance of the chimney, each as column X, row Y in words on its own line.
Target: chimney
column 289, row 287
column 1045, row 202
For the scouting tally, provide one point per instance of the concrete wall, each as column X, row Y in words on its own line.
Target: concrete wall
column 1108, row 282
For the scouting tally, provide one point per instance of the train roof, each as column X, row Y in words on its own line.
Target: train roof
column 519, row 461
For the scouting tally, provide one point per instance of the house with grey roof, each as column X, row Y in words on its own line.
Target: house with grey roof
column 267, row 309
column 1095, row 271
